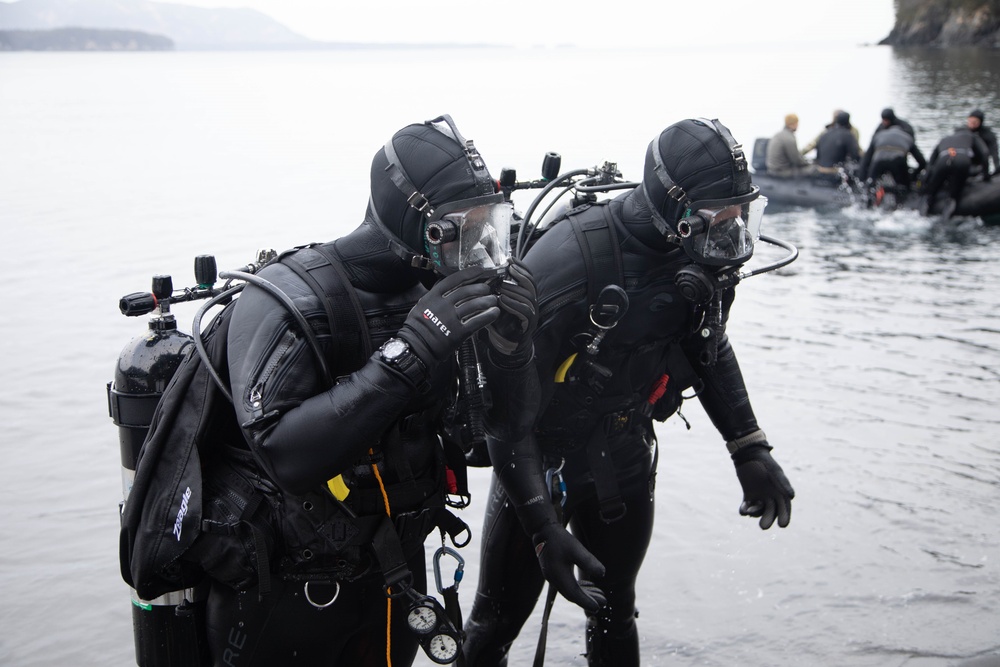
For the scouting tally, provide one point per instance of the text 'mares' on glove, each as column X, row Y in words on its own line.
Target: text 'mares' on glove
column 766, row 491
column 511, row 333
column 455, row 308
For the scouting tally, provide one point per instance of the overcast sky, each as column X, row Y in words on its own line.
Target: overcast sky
column 581, row 22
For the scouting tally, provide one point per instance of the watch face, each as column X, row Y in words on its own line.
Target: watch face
column 393, row 349
column 443, row 649
column 422, row 619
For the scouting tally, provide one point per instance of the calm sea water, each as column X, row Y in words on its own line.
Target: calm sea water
column 873, row 361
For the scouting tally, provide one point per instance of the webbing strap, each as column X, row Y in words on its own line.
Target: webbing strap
column 601, row 254
column 348, row 325
column 609, row 497
column 338, row 265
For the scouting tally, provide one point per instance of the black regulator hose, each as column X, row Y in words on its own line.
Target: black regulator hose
column 793, row 254
column 289, row 305
column 199, row 343
column 552, row 185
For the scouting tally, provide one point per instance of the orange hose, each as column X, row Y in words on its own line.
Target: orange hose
column 388, row 600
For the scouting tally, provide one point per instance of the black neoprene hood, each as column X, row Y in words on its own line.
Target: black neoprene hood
column 436, row 164
column 700, row 160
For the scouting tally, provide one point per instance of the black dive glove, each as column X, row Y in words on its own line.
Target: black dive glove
column 452, row 310
column 766, row 491
column 558, row 552
column 511, row 333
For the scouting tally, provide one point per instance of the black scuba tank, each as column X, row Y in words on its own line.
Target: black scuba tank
column 170, row 630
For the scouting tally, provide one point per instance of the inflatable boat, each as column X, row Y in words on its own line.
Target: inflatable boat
column 840, row 190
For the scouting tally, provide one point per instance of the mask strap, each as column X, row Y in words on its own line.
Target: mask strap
column 484, row 182
column 402, row 181
column 675, row 191
column 399, row 249
column 741, row 173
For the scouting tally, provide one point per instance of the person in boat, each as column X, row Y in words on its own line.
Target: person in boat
column 976, row 123
column 811, row 146
column 837, row 146
column 355, row 472
column 889, row 118
column 888, row 153
column 601, row 396
column 950, row 163
column 783, row 157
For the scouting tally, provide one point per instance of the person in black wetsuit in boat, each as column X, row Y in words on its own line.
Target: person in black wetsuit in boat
column 695, row 213
column 889, row 118
column 887, row 154
column 951, row 163
column 977, row 123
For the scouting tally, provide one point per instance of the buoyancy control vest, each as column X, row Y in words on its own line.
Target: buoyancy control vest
column 202, row 504
column 639, row 369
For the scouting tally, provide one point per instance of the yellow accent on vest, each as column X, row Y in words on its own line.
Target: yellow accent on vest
column 338, row 488
column 564, row 368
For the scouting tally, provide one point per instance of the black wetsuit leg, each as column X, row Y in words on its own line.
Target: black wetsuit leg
column 900, row 172
column 510, row 582
column 612, row 635
column 960, row 167
column 285, row 629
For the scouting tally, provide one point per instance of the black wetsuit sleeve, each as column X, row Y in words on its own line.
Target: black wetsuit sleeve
column 724, row 394
column 990, row 139
column 918, row 156
column 560, row 276
column 514, row 391
column 866, row 160
column 323, row 435
column 982, row 155
column 301, row 430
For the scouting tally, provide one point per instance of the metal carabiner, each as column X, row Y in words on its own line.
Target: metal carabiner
column 459, row 571
column 555, row 483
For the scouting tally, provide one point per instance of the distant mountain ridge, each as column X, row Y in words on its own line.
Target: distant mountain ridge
column 82, row 39
column 187, row 27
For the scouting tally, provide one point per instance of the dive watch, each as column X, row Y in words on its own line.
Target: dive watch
column 397, row 353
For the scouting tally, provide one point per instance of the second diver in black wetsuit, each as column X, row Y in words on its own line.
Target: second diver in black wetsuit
column 695, row 214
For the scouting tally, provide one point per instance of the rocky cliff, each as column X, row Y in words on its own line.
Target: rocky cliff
column 944, row 23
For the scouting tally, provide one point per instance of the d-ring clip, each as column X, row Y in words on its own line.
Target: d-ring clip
column 336, row 593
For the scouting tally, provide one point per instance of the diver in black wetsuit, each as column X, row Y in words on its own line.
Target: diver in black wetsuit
column 373, row 440
column 950, row 163
column 888, row 153
column 597, row 410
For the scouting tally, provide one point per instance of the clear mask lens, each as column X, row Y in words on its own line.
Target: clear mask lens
column 475, row 236
column 724, row 235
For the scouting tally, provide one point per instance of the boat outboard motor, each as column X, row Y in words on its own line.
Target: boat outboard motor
column 170, row 630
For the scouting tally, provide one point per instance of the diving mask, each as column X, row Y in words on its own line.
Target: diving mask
column 722, row 232
column 470, row 232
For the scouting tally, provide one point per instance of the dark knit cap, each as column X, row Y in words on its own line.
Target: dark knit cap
column 978, row 113
column 888, row 114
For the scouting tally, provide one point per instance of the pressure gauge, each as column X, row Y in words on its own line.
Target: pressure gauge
column 422, row 619
column 443, row 649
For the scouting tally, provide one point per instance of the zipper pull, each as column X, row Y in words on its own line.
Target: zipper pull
column 256, row 399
